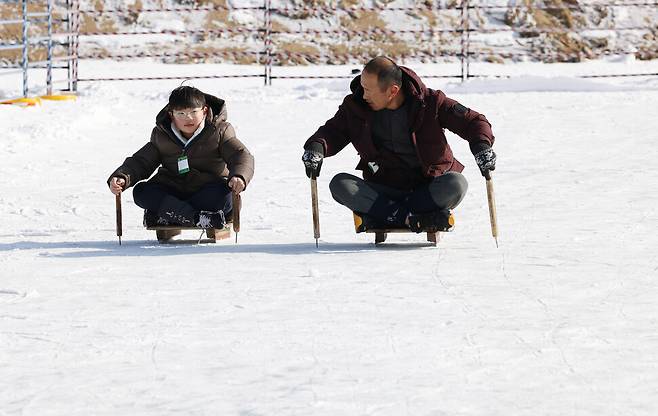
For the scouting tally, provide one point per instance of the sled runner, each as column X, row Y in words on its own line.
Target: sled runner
column 381, row 233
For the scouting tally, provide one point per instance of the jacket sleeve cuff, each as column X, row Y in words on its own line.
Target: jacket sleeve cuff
column 477, row 147
column 316, row 146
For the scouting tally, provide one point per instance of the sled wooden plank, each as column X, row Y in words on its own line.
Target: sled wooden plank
column 387, row 230
column 382, row 233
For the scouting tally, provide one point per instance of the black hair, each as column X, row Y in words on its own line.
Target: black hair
column 186, row 97
column 388, row 72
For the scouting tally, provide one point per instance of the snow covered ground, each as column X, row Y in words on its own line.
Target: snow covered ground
column 560, row 320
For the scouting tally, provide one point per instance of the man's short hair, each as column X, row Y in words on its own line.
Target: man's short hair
column 387, row 71
column 186, row 97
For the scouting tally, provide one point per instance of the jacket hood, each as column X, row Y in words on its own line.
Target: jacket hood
column 412, row 86
column 216, row 112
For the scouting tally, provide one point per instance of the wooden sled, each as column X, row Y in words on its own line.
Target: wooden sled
column 433, row 237
column 381, row 234
column 165, row 233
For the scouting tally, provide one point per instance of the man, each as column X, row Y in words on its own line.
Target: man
column 410, row 177
column 201, row 162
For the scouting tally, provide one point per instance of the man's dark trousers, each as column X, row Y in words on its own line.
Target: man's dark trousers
column 382, row 202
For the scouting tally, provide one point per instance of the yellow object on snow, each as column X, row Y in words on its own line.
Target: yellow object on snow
column 25, row 102
column 60, row 97
column 358, row 221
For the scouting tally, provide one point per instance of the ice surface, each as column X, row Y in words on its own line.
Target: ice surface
column 560, row 320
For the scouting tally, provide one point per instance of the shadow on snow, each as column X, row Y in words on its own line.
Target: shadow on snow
column 83, row 249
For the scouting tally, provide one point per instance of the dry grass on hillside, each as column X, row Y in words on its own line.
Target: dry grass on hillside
column 212, row 54
column 95, row 23
column 647, row 49
column 546, row 33
column 343, row 54
column 218, row 17
column 294, row 53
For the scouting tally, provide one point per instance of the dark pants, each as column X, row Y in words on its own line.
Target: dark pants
column 382, row 202
column 212, row 197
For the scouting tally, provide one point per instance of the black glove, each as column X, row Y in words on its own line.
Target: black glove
column 312, row 159
column 486, row 160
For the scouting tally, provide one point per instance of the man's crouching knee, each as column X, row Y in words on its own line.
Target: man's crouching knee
column 343, row 187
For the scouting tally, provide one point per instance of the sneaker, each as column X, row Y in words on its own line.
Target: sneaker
column 440, row 220
column 211, row 219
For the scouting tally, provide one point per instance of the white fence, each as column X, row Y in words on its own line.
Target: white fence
column 265, row 47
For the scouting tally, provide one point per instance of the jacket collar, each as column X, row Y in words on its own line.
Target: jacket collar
column 179, row 135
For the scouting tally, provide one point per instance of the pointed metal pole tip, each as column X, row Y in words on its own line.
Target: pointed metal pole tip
column 316, row 243
column 496, row 238
column 119, row 240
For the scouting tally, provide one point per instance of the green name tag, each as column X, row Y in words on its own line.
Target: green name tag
column 183, row 166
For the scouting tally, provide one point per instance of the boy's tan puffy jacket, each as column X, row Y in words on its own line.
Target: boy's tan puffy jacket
column 213, row 155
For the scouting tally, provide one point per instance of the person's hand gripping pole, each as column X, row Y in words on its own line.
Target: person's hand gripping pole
column 316, row 211
column 116, row 187
column 312, row 159
column 237, row 185
column 237, row 204
column 492, row 207
column 486, row 161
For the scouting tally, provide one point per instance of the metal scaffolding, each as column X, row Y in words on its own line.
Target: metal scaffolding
column 47, row 28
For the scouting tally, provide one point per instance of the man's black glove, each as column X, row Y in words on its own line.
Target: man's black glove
column 485, row 158
column 312, row 159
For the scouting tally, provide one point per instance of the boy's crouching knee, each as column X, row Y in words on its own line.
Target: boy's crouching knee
column 138, row 194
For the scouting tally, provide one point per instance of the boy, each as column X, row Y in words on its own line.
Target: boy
column 201, row 162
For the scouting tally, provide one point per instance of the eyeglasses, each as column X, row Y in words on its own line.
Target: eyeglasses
column 187, row 114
